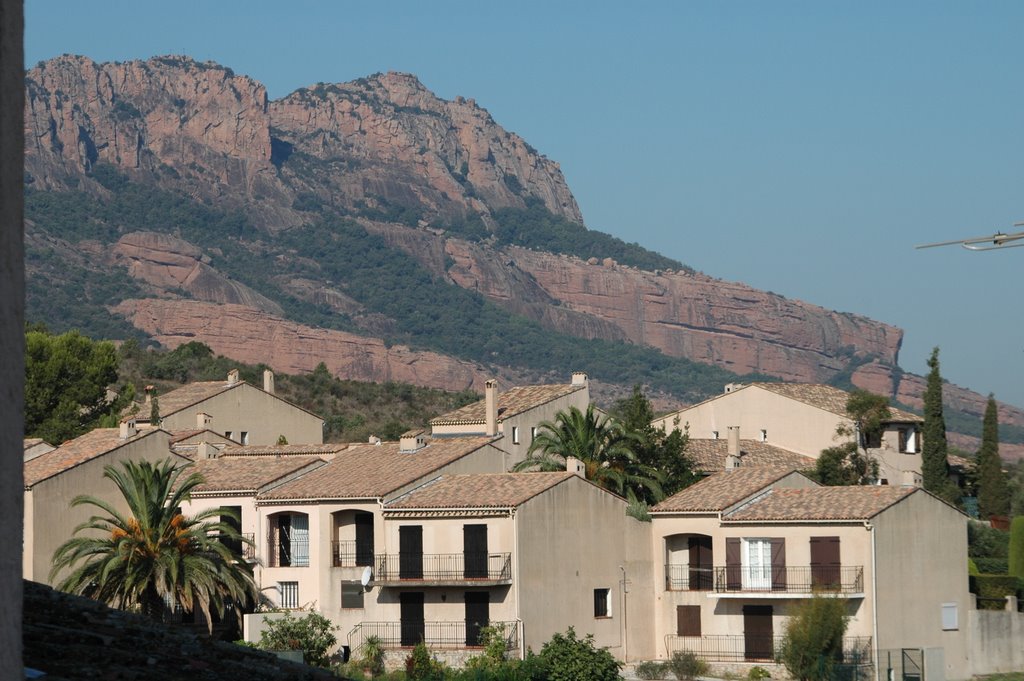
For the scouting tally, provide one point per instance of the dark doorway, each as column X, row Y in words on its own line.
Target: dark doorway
column 364, row 538
column 412, row 624
column 825, row 565
column 284, row 540
column 758, row 635
column 478, row 615
column 410, row 552
column 701, row 565
column 474, row 542
column 235, row 522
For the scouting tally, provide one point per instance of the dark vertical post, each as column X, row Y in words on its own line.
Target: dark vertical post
column 12, row 328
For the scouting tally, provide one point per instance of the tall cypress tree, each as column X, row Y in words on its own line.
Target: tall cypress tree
column 993, row 497
column 934, row 451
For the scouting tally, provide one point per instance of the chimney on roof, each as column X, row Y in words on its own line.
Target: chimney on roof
column 203, row 420
column 732, row 458
column 580, row 378
column 491, row 407
column 268, row 381
column 412, row 441
column 128, row 428
column 233, row 377
column 574, row 465
column 205, row 451
column 149, row 394
column 373, row 440
column 731, row 387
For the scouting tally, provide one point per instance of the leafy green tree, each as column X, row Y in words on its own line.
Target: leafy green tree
column 934, row 448
column 993, row 495
column 813, row 641
column 665, row 452
column 66, row 379
column 1016, row 557
column 154, row 411
column 569, row 658
column 312, row 633
column 601, row 444
column 849, row 463
column 153, row 555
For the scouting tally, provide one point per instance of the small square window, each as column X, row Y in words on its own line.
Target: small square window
column 289, row 594
column 351, row 595
column 764, row 435
column 515, row 435
column 227, row 434
column 602, row 602
column 533, row 433
column 950, row 617
column 714, row 434
column 245, row 437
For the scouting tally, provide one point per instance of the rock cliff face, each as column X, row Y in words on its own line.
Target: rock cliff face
column 253, row 336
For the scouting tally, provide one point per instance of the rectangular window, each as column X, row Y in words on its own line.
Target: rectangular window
column 351, row 595
column 687, row 620
column 227, row 434
column 764, row 435
column 289, row 594
column 602, row 602
column 950, row 617
column 533, row 433
column 245, row 437
column 515, row 435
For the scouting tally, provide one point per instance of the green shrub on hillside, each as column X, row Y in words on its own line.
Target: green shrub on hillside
column 1015, row 553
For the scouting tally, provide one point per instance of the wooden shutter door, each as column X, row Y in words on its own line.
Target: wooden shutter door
column 474, row 547
column 733, row 564
column 778, row 564
column 410, row 552
column 364, row 539
column 411, row 625
column 825, row 565
column 478, row 616
column 700, row 566
column 687, row 620
column 758, row 634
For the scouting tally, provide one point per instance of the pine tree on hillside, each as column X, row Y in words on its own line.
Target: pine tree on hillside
column 934, row 451
column 993, row 496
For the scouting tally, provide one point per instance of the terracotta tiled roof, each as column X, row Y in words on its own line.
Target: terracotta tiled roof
column 75, row 452
column 510, row 403
column 244, row 474
column 372, row 471
column 959, row 461
column 828, row 398
column 708, row 455
column 189, row 395
column 284, row 450
column 822, row 503
column 722, row 490
column 485, row 490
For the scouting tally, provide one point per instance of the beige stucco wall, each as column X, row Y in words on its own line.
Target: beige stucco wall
column 532, row 418
column 921, row 563
column 570, row 542
column 996, row 640
column 898, row 468
column 50, row 520
column 247, row 408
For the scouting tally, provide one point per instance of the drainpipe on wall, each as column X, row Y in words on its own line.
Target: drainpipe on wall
column 518, row 579
column 625, row 620
column 870, row 527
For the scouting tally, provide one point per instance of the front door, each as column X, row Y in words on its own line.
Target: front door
column 474, row 542
column 410, row 552
column 478, row 615
column 413, row 628
column 758, row 635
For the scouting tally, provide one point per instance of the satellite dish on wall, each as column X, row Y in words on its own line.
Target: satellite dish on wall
column 366, row 577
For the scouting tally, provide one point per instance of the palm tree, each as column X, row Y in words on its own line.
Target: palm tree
column 603, row 446
column 153, row 555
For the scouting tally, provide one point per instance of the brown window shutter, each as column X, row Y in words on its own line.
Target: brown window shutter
column 825, row 565
column 687, row 620
column 778, row 545
column 733, row 571
column 701, row 566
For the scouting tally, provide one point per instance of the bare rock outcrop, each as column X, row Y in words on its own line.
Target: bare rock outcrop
column 249, row 335
column 169, row 263
column 682, row 314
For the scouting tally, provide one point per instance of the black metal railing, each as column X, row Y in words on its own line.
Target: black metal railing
column 287, row 552
column 242, row 545
column 443, row 567
column 741, row 648
column 846, row 579
column 686, row 578
column 437, row 635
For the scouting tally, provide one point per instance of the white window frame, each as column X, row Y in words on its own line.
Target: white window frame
column 515, row 435
column 607, row 603
column 244, row 437
column 288, row 594
column 756, row 559
column 950, row 617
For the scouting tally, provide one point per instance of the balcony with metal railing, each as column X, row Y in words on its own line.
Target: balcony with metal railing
column 752, row 648
column 686, row 578
column 288, row 552
column 349, row 553
column 443, row 569
column 790, row 581
column 436, row 635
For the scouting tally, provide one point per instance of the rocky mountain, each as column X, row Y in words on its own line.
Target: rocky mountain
column 385, row 231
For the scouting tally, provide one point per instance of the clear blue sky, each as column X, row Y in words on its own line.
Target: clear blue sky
column 800, row 147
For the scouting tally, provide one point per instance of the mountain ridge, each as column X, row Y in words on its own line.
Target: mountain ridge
column 437, row 180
